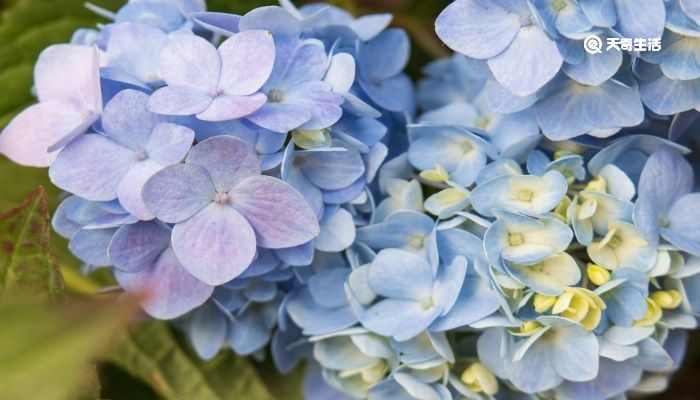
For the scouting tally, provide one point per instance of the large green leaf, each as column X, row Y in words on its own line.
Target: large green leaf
column 45, row 351
column 152, row 353
column 26, row 263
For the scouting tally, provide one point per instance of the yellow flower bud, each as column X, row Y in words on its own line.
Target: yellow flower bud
column 543, row 302
column 312, row 139
column 560, row 212
column 480, row 379
column 562, row 153
column 439, row 174
column 668, row 299
column 580, row 305
column 597, row 184
column 652, row 316
column 597, row 274
column 528, row 328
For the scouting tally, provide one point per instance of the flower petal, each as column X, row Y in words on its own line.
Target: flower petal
column 189, row 60
column 279, row 215
column 170, row 290
column 216, row 245
column 178, row 192
column 246, row 61
column 227, row 159
column 91, row 167
column 477, row 28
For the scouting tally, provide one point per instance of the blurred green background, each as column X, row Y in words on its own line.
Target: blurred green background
column 147, row 361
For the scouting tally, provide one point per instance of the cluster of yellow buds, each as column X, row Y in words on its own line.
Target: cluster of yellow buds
column 656, row 303
column 576, row 304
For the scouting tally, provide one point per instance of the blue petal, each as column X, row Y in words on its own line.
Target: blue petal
column 528, row 63
column 640, row 22
column 207, row 330
column 274, row 19
column 477, row 28
column 401, row 275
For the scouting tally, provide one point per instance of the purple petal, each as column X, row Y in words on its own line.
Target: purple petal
column 27, row 137
column 246, row 62
column 320, row 101
column 280, row 117
column 227, row 159
column 178, row 192
column 189, row 60
column 135, row 49
column 216, row 245
column 179, row 100
column 280, row 216
column 69, row 74
column 169, row 143
column 136, row 247
column 227, row 107
column 131, row 186
column 306, row 61
column 171, row 290
column 91, row 167
column 127, row 121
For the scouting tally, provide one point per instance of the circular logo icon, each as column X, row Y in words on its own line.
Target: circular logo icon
column 593, row 44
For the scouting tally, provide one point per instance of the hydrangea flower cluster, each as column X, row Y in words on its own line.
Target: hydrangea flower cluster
column 265, row 180
column 207, row 156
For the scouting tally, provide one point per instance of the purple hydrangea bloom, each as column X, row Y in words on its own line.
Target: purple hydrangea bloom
column 297, row 96
column 223, row 208
column 215, row 85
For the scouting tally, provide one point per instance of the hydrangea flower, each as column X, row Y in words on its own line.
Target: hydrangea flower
column 263, row 180
column 215, row 85
column 520, row 54
column 223, row 208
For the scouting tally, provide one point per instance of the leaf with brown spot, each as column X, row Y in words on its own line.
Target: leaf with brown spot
column 26, row 263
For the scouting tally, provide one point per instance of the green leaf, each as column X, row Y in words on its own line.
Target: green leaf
column 26, row 264
column 152, row 353
column 44, row 351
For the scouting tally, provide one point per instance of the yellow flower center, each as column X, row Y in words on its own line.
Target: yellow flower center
column 481, row 122
column 614, row 242
column 524, row 195
column 597, row 184
column 516, row 239
column 417, row 241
